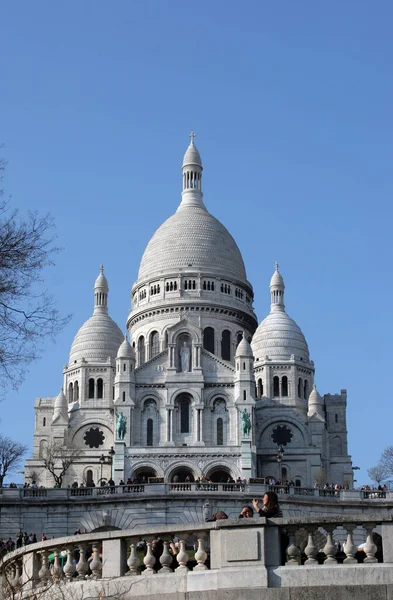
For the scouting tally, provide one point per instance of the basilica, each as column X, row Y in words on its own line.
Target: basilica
column 197, row 387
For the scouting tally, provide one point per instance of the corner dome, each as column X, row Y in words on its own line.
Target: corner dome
column 97, row 339
column 244, row 348
column 188, row 240
column 278, row 337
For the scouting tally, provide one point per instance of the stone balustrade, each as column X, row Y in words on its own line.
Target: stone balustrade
column 161, row 489
column 226, row 554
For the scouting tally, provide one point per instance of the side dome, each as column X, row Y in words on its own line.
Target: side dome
column 278, row 336
column 192, row 238
column 99, row 337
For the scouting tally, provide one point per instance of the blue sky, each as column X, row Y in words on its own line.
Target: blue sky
column 292, row 106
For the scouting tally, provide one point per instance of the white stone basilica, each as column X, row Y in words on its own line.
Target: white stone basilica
column 176, row 400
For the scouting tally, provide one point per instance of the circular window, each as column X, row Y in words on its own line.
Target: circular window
column 282, row 435
column 94, row 437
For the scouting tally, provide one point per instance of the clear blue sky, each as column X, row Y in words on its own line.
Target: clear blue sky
column 292, row 105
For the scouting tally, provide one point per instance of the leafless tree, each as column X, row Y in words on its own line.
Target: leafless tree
column 57, row 458
column 378, row 473
column 27, row 312
column 11, row 454
column 387, row 461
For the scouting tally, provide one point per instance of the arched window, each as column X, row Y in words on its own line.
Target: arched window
column 76, row 390
column 184, row 415
column 89, row 477
column 244, row 395
column 154, row 344
column 70, row 393
column 124, row 367
column 336, row 418
column 239, row 338
column 276, row 386
column 284, row 386
column 166, row 339
column 149, row 438
column 220, row 432
column 298, row 483
column 124, row 396
column 208, row 339
column 260, row 388
column 141, row 350
column 91, row 389
column 100, row 388
column 305, row 389
column 44, row 421
column 226, row 345
column 300, row 388
column 336, row 446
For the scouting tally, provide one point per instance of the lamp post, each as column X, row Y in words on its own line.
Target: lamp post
column 280, row 456
column 102, row 461
column 106, row 460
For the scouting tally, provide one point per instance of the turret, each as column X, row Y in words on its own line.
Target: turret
column 60, row 407
column 192, row 177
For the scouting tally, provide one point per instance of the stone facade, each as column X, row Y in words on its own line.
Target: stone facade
column 196, row 368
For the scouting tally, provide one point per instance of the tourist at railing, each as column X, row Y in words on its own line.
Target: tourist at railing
column 246, row 512
column 217, row 516
column 271, row 507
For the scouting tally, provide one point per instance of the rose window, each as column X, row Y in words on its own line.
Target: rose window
column 282, row 435
column 94, row 437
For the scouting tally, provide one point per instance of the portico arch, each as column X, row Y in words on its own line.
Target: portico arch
column 219, row 474
column 180, row 474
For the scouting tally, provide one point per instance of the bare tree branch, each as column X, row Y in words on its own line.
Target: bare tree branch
column 28, row 315
column 57, row 459
column 11, row 454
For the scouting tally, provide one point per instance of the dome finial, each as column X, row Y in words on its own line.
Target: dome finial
column 102, row 269
column 276, row 265
column 277, row 290
column 192, row 135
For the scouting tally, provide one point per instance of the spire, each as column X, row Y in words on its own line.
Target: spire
column 101, row 290
column 277, row 290
column 192, row 177
column 315, row 402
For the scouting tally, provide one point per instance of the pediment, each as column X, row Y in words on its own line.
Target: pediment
column 153, row 369
column 213, row 366
column 187, row 325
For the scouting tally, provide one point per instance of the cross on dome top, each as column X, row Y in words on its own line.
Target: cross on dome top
column 192, row 135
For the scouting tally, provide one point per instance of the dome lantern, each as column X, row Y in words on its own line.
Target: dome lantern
column 277, row 288
column 192, row 177
column 101, row 290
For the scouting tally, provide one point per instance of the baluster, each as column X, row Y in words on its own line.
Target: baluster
column 349, row 546
column 293, row 551
column 44, row 573
column 310, row 550
column 149, row 561
column 330, row 547
column 15, row 581
column 182, row 557
column 82, row 567
column 200, row 556
column 369, row 547
column 133, row 562
column 166, row 560
column 57, row 571
column 96, row 564
column 69, row 567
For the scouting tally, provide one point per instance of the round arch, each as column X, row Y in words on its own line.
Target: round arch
column 142, row 474
column 182, row 474
column 220, row 474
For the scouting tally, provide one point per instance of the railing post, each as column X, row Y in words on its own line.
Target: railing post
column 133, row 562
column 30, row 570
column 82, row 567
column 114, row 556
column 387, row 541
column 349, row 547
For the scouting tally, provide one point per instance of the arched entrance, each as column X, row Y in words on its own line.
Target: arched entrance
column 142, row 475
column 182, row 475
column 219, row 475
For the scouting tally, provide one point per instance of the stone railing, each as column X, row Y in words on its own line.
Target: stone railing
column 160, row 489
column 226, row 554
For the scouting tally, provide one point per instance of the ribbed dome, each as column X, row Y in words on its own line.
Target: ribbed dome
column 192, row 156
column 278, row 337
column 244, row 348
column 97, row 339
column 192, row 238
column 125, row 350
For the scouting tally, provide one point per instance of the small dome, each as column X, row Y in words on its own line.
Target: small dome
column 314, row 398
column 192, row 156
column 244, row 348
column 277, row 280
column 125, row 350
column 278, row 337
column 60, row 400
column 101, row 281
column 97, row 339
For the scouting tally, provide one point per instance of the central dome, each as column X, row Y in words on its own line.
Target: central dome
column 192, row 238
